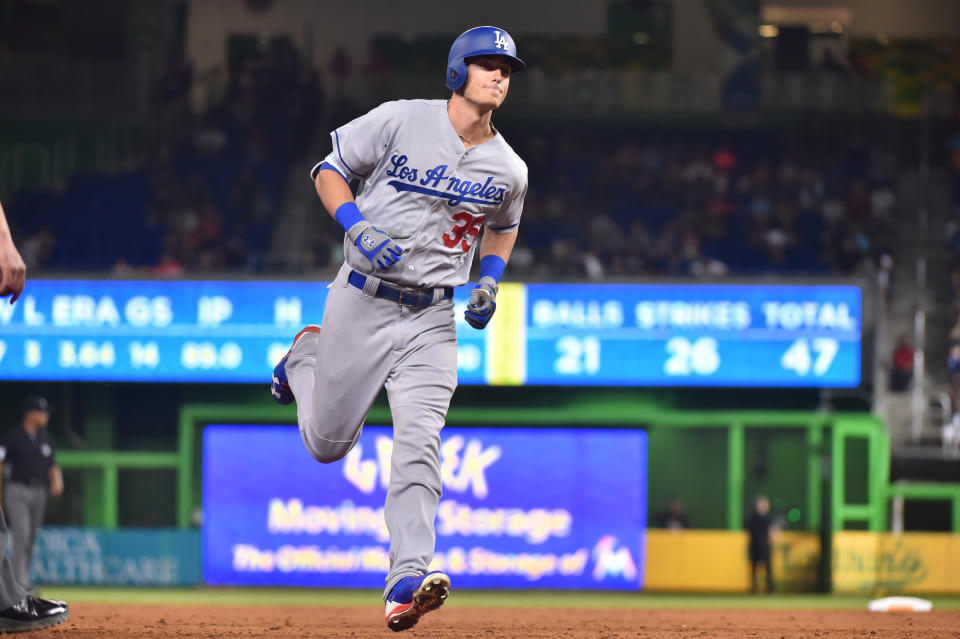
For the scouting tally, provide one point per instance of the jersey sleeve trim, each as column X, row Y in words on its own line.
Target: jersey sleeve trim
column 327, row 165
column 503, row 229
column 336, row 137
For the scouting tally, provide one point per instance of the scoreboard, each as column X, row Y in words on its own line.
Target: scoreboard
column 543, row 334
column 693, row 335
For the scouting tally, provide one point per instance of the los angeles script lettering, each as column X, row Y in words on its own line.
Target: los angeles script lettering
column 437, row 178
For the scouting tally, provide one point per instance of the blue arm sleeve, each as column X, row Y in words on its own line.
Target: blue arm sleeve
column 348, row 214
column 492, row 266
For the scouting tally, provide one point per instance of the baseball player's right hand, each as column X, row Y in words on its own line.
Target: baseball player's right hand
column 482, row 304
column 377, row 246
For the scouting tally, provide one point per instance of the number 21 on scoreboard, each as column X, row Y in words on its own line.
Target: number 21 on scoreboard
column 577, row 356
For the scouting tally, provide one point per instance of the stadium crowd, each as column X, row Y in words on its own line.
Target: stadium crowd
column 953, row 354
column 620, row 205
column 205, row 194
column 643, row 204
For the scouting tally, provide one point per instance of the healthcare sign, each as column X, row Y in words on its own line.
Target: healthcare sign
column 521, row 508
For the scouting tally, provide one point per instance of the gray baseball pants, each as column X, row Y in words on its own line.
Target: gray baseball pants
column 335, row 375
column 25, row 506
column 10, row 591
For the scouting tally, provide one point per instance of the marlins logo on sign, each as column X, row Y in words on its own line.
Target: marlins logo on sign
column 501, row 41
column 613, row 561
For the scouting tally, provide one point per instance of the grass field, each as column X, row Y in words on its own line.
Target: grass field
column 214, row 596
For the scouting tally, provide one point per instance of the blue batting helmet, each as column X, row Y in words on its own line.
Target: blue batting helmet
column 479, row 41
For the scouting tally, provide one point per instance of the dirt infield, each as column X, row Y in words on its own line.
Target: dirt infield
column 452, row 622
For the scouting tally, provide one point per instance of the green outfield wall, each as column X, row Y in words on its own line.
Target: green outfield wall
column 825, row 471
column 139, row 464
column 715, row 461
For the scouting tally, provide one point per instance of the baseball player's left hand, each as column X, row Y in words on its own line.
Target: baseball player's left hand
column 482, row 303
column 377, row 246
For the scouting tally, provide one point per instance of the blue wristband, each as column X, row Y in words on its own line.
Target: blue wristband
column 492, row 266
column 348, row 214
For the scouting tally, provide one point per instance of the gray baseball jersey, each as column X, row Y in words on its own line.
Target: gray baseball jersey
column 422, row 187
column 419, row 185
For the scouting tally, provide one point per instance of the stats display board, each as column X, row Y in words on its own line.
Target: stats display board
column 521, row 508
column 543, row 334
column 154, row 331
column 693, row 335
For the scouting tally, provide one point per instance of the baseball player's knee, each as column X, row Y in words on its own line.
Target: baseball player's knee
column 326, row 450
column 328, row 456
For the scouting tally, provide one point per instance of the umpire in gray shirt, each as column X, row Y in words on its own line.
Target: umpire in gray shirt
column 31, row 472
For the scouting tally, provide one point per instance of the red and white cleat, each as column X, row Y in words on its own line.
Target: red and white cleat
column 414, row 597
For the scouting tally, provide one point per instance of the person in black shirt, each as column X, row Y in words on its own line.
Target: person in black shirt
column 31, row 470
column 760, row 528
column 19, row 611
column 675, row 517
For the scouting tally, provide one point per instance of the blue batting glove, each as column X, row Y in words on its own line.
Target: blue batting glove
column 376, row 246
column 482, row 304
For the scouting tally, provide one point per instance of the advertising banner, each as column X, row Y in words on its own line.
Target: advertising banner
column 916, row 563
column 125, row 557
column 521, row 508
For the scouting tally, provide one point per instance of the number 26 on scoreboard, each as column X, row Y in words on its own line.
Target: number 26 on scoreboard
column 698, row 357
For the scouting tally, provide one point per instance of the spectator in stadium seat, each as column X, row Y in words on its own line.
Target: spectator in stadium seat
column 38, row 247
column 953, row 364
column 901, row 373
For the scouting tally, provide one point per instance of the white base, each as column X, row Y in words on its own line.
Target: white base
column 900, row 604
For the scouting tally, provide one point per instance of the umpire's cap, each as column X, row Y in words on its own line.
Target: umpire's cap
column 36, row 403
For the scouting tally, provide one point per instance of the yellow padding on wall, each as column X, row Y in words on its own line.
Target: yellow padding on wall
column 916, row 563
column 716, row 561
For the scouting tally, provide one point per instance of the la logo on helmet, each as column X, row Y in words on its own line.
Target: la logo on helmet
column 501, row 41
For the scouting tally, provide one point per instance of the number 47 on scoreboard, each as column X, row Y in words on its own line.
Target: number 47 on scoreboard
column 798, row 357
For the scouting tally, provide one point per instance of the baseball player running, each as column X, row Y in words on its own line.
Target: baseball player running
column 432, row 173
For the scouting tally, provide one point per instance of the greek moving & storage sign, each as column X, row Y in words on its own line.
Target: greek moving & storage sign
column 521, row 508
